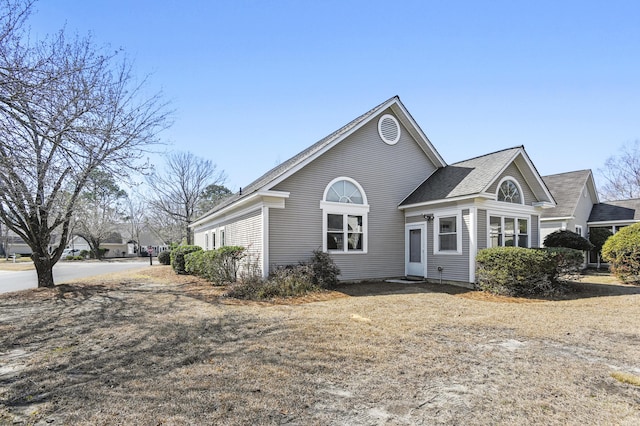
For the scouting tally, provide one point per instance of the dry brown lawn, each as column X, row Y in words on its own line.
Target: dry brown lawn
column 152, row 348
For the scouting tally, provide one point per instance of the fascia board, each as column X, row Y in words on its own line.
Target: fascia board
column 255, row 198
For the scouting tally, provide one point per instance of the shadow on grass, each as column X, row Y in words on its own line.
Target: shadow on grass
column 583, row 290
column 379, row 288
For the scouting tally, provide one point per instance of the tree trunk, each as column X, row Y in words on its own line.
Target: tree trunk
column 44, row 268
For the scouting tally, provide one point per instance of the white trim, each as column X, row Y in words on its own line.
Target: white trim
column 436, row 232
column 516, row 183
column 473, row 242
column 448, row 200
column 272, row 197
column 348, row 179
column 395, row 121
column 345, row 209
column 265, row 242
column 423, row 243
column 557, row 219
column 612, row 222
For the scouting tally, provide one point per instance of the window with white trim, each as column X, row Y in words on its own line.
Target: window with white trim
column 448, row 238
column 222, row 237
column 509, row 192
column 344, row 210
column 505, row 231
column 206, row 241
column 213, row 239
column 579, row 230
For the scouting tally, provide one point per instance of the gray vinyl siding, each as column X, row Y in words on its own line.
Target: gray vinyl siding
column 246, row 231
column 482, row 229
column 513, row 171
column 535, row 235
column 455, row 267
column 547, row 228
column 387, row 173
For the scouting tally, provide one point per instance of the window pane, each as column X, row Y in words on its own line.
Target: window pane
column 334, row 223
column 344, row 192
column 508, row 192
column 335, row 241
column 354, row 223
column 509, row 225
column 495, row 230
column 448, row 242
column 523, row 240
column 415, row 245
column 355, row 241
column 522, row 225
column 447, row 224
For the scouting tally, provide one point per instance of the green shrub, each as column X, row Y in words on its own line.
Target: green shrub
column 177, row 257
column 164, row 257
column 622, row 251
column 84, row 253
column 567, row 239
column 324, row 271
column 515, row 271
column 218, row 266
column 568, row 262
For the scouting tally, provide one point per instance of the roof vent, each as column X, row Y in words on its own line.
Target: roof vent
column 389, row 129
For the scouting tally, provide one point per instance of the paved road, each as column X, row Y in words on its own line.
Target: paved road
column 63, row 272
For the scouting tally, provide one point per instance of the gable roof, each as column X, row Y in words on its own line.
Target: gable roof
column 469, row 178
column 567, row 189
column 612, row 211
column 293, row 164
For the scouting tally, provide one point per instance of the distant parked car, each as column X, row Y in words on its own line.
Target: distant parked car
column 70, row 252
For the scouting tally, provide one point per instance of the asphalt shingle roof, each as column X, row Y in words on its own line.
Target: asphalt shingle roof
column 616, row 210
column 566, row 189
column 467, row 177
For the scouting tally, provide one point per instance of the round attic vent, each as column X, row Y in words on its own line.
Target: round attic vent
column 389, row 129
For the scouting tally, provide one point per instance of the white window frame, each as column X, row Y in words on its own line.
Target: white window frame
column 222, row 237
column 578, row 230
column 345, row 209
column 502, row 217
column 517, row 184
column 436, row 232
column 206, row 240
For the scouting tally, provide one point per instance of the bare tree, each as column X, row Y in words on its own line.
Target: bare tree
column 100, row 210
column 178, row 190
column 622, row 174
column 135, row 218
column 67, row 108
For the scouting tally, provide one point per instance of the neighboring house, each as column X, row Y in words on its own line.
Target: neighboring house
column 118, row 245
column 579, row 209
column 613, row 215
column 575, row 194
column 379, row 198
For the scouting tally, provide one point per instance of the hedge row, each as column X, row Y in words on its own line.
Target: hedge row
column 218, row 266
column 516, row 271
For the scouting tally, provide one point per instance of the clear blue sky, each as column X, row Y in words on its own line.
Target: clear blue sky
column 255, row 82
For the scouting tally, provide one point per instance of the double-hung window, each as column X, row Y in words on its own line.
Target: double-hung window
column 345, row 210
column 448, row 239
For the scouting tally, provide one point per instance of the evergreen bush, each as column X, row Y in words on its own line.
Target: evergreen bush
column 164, row 257
column 567, row 239
column 622, row 251
column 515, row 271
column 177, row 257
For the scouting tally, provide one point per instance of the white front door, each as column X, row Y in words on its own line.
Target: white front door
column 415, row 249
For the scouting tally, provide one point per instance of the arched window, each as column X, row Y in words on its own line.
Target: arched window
column 509, row 192
column 344, row 210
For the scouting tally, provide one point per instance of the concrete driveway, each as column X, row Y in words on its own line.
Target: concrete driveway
column 64, row 272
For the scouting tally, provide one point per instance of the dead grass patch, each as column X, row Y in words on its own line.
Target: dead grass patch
column 151, row 347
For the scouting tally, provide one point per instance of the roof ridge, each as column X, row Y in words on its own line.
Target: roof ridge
column 487, row 155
